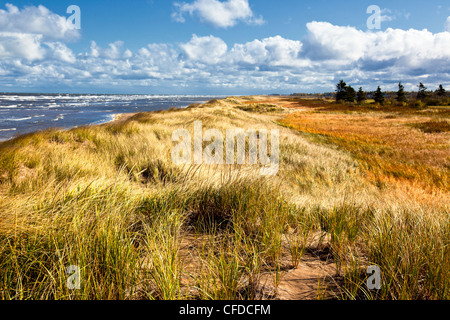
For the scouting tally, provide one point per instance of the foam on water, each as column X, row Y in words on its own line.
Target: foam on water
column 59, row 117
column 69, row 111
column 17, row 119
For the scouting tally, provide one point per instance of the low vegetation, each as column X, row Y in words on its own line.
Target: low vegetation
column 358, row 186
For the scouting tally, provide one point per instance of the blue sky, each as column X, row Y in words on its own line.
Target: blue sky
column 223, row 47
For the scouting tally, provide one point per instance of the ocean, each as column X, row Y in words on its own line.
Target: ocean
column 25, row 113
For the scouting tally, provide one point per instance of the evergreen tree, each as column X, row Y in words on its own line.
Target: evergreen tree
column 350, row 94
column 401, row 95
column 361, row 96
column 341, row 89
column 441, row 92
column 379, row 97
column 422, row 94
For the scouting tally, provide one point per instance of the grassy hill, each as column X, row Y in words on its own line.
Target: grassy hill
column 356, row 187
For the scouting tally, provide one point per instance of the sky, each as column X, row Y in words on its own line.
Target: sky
column 221, row 46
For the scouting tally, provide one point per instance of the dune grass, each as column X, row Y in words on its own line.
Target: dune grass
column 109, row 200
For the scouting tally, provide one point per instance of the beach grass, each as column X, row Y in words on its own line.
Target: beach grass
column 358, row 187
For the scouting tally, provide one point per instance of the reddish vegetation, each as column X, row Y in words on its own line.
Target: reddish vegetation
column 408, row 148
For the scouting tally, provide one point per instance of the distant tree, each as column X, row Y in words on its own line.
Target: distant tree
column 401, row 95
column 361, row 96
column 350, row 94
column 379, row 97
column 341, row 91
column 441, row 92
column 422, row 94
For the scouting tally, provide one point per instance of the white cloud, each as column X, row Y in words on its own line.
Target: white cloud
column 273, row 51
column 209, row 50
column 33, row 34
column 206, row 63
column 59, row 51
column 16, row 45
column 37, row 20
column 222, row 14
column 406, row 49
column 113, row 52
column 326, row 41
column 447, row 25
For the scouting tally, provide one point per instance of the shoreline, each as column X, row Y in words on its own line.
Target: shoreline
column 122, row 117
column 116, row 114
column 121, row 183
column 115, row 118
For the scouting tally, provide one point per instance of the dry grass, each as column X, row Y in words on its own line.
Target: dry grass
column 110, row 200
column 410, row 150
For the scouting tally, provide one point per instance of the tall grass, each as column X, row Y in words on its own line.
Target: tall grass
column 109, row 200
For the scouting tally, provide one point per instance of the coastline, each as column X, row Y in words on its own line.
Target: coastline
column 65, row 114
column 120, row 183
column 122, row 117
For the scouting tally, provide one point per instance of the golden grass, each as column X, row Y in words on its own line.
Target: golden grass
column 389, row 146
column 109, row 199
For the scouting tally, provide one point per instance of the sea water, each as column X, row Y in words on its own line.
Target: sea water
column 25, row 113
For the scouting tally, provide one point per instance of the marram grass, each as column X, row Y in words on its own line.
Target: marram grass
column 109, row 200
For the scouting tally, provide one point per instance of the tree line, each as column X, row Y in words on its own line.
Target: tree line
column 347, row 93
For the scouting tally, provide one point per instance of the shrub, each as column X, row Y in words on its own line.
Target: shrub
column 434, row 102
column 419, row 104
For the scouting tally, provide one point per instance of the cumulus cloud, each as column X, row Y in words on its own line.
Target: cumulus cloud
column 209, row 49
column 326, row 41
column 270, row 52
column 27, row 46
column 60, row 51
column 405, row 50
column 35, row 33
column 113, row 52
column 37, row 20
column 207, row 63
column 221, row 14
